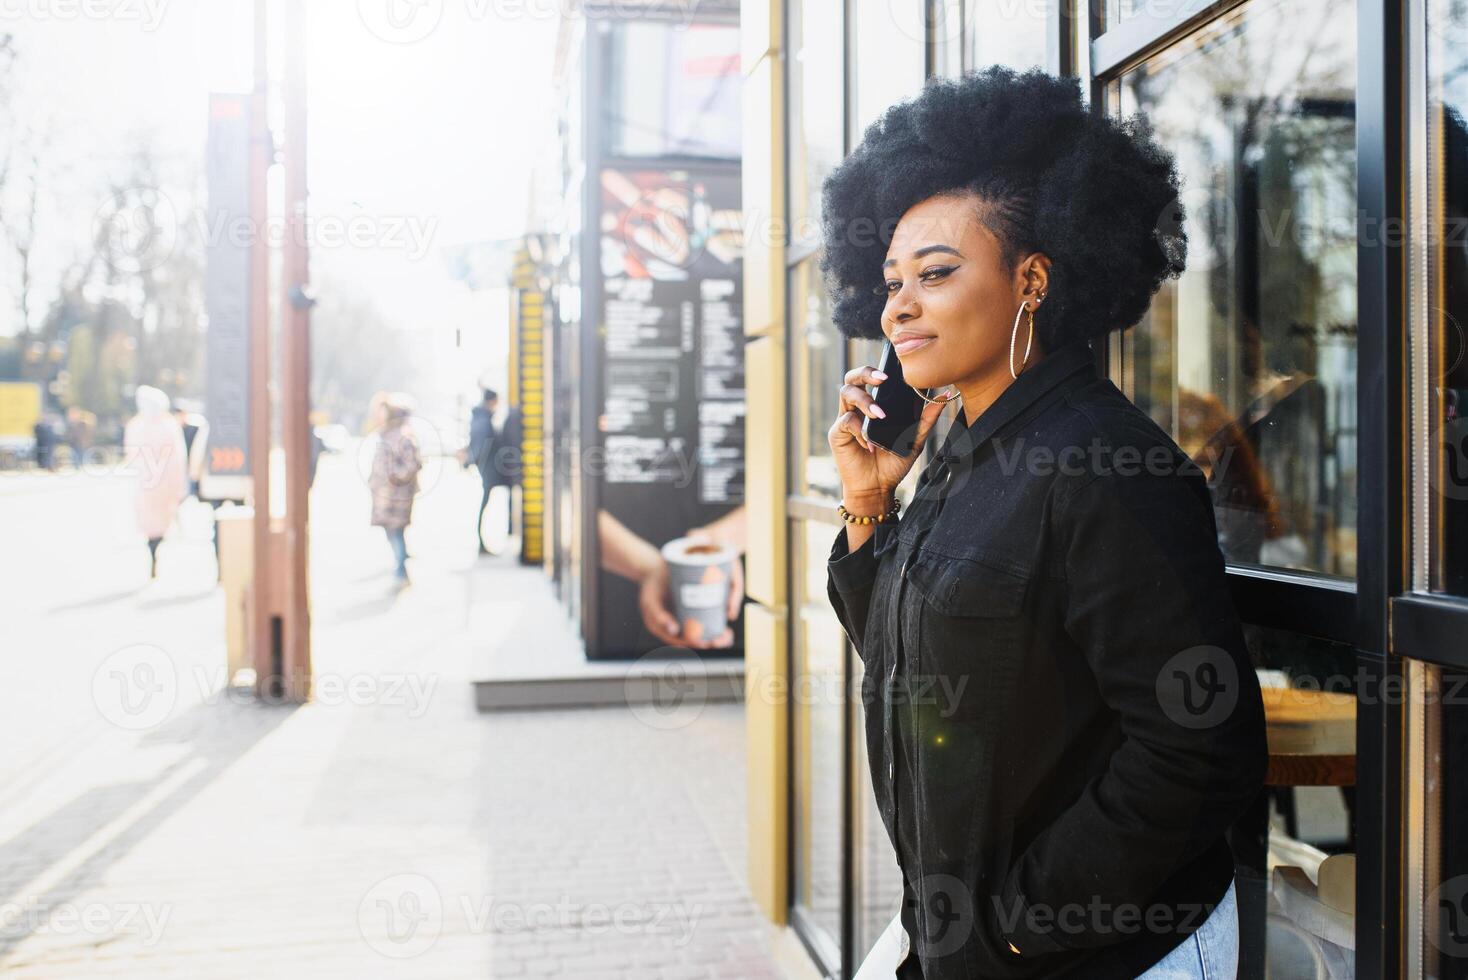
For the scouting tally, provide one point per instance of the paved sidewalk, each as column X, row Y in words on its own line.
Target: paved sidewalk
column 153, row 825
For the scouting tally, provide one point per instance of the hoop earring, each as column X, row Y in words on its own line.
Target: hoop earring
column 1013, row 333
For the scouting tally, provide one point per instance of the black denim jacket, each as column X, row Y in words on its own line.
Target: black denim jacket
column 1062, row 720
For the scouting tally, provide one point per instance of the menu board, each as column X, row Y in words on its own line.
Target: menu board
column 672, row 381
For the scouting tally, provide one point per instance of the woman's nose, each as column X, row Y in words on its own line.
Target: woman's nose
column 904, row 305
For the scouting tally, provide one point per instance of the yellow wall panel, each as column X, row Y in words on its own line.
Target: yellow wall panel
column 763, row 180
column 767, row 752
column 764, row 470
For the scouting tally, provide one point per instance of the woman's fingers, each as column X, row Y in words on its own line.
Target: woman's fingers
column 847, row 428
column 857, row 397
column 854, row 394
column 864, row 375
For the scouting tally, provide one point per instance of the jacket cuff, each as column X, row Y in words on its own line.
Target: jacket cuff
column 1030, row 929
column 852, row 571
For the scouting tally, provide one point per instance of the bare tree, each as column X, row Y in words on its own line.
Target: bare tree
column 20, row 232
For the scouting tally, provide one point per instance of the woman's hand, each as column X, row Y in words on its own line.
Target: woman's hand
column 869, row 473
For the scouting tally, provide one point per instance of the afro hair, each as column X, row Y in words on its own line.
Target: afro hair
column 1094, row 193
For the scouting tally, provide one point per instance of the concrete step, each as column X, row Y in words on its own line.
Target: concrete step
column 527, row 654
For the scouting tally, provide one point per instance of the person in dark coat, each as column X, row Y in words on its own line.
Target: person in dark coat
column 483, row 438
column 507, row 460
column 45, row 431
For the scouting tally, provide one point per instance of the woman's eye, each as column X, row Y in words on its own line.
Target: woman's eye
column 930, row 275
column 893, row 284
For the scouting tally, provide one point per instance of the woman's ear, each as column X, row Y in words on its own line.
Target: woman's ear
column 1035, row 277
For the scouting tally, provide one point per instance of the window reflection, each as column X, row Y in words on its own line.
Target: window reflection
column 891, row 50
column 679, row 93
column 1445, row 847
column 818, row 703
column 1119, row 10
column 1007, row 32
column 879, row 876
column 1249, row 359
column 945, row 19
column 816, row 106
column 1445, row 293
column 1296, row 851
column 818, row 370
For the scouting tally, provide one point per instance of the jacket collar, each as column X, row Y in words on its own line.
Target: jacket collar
column 1030, row 387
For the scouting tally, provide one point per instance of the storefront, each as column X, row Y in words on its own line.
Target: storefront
column 1318, row 335
column 632, row 281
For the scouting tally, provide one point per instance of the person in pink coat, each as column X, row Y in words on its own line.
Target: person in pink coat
column 154, row 445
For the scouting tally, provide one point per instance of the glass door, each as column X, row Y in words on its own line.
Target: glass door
column 1249, row 360
column 1431, row 620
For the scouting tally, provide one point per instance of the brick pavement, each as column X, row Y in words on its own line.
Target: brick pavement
column 387, row 830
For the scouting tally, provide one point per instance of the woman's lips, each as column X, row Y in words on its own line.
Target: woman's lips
column 911, row 342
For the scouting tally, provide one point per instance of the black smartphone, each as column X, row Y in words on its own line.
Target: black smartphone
column 898, row 431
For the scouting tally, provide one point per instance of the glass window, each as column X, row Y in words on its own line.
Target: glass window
column 1119, row 10
column 878, row 876
column 1438, row 297
column 674, row 90
column 817, row 104
column 891, row 57
column 819, row 702
column 1296, row 851
column 1442, row 697
column 1008, row 32
column 1249, row 359
column 1440, row 293
column 945, row 26
column 817, row 370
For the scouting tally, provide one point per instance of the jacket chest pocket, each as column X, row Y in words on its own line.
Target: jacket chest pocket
column 967, row 588
column 967, row 628
column 970, row 618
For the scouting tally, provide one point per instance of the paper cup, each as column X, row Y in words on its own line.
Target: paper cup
column 699, row 575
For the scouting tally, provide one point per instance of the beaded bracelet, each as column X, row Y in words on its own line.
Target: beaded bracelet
column 851, row 518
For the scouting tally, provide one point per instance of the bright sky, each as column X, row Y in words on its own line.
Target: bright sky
column 425, row 114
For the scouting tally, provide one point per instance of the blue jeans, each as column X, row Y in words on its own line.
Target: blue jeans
column 1210, row 953
column 399, row 548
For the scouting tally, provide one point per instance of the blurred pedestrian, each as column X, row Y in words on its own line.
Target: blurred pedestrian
column 318, row 419
column 81, row 430
column 394, row 478
column 196, row 442
column 153, row 442
column 484, row 439
column 508, row 460
column 46, row 440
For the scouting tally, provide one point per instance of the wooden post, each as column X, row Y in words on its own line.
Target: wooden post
column 296, row 364
column 261, row 626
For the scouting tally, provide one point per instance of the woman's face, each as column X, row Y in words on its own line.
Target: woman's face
column 951, row 302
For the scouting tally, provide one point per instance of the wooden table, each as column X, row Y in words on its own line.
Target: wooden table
column 1312, row 737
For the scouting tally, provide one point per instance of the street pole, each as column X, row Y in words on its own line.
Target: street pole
column 296, row 364
column 261, row 633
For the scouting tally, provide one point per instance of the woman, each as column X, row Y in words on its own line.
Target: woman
column 153, row 443
column 394, row 478
column 1061, row 717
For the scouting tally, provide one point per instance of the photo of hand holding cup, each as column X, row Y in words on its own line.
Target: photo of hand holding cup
column 690, row 590
column 701, row 589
